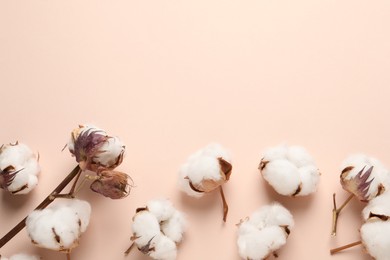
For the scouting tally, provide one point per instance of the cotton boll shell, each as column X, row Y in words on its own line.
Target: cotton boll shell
column 376, row 239
column 59, row 227
column 283, row 176
column 174, row 227
column 162, row 209
column 164, row 248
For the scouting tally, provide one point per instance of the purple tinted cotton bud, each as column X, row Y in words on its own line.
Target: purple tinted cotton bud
column 112, row 184
column 94, row 149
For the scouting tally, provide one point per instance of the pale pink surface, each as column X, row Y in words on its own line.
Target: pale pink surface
column 169, row 77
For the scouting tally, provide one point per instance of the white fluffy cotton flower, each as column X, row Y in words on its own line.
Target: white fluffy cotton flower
column 59, row 227
column 19, row 168
column 264, row 232
column 205, row 170
column 376, row 229
column 157, row 229
column 94, row 149
column 290, row 170
column 365, row 177
column 21, row 257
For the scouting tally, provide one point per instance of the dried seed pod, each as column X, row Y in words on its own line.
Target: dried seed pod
column 291, row 171
column 19, row 168
column 264, row 232
column 376, row 229
column 112, row 184
column 364, row 176
column 21, row 257
column 205, row 171
column 59, row 227
column 157, row 229
column 94, row 149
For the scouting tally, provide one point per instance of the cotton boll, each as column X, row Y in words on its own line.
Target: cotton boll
column 378, row 206
column 204, row 167
column 309, row 176
column 251, row 246
column 264, row 232
column 299, row 156
column 113, row 149
column 216, row 151
column 145, row 227
column 164, row 248
column 272, row 215
column 184, row 184
column 376, row 239
column 59, row 227
column 283, row 176
column 18, row 168
column 174, row 227
column 365, row 177
column 290, row 170
column 276, row 153
column 162, row 209
column 21, row 257
column 94, row 149
column 205, row 170
column 157, row 229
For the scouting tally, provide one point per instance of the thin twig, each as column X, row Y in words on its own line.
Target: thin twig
column 46, row 202
column 129, row 249
column 68, row 256
column 72, row 189
column 336, row 212
column 225, row 205
column 338, row 249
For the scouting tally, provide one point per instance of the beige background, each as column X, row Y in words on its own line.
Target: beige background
column 170, row 76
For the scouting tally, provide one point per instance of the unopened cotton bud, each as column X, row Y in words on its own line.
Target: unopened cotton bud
column 19, row 168
column 290, row 170
column 364, row 176
column 94, row 149
column 112, row 184
column 59, row 227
